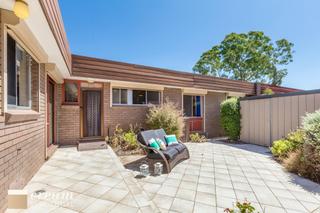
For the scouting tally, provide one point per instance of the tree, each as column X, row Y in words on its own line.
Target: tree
column 248, row 56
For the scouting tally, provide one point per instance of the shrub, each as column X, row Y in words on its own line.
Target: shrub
column 244, row 207
column 311, row 147
column 168, row 117
column 125, row 140
column 267, row 91
column 116, row 139
column 230, row 118
column 130, row 141
column 281, row 148
column 294, row 162
column 197, row 138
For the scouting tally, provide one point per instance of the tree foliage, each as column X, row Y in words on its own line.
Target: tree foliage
column 248, row 56
column 230, row 118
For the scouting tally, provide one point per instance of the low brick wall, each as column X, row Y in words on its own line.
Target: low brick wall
column 22, row 149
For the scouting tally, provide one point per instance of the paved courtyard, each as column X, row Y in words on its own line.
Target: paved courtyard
column 215, row 177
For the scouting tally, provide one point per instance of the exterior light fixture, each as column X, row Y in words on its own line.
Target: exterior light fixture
column 21, row 9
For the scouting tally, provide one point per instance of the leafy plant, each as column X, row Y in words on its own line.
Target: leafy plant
column 130, row 141
column 248, row 56
column 168, row 117
column 244, row 207
column 267, row 91
column 117, row 137
column 230, row 118
column 197, row 138
column 281, row 148
column 125, row 140
column 311, row 147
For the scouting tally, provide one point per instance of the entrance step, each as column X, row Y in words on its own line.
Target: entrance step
column 91, row 145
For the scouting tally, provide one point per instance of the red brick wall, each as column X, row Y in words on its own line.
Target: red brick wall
column 22, row 148
column 123, row 115
column 212, row 114
column 68, row 121
column 173, row 95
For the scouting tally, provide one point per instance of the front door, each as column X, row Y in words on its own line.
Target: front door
column 50, row 112
column 91, row 113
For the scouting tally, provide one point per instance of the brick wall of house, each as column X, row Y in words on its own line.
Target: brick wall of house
column 68, row 121
column 212, row 114
column 173, row 95
column 122, row 115
column 22, row 148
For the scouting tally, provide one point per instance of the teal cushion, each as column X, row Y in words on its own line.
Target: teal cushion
column 171, row 139
column 161, row 143
column 153, row 143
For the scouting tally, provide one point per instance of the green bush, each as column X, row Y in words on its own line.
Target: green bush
column 130, row 141
column 197, row 138
column 311, row 147
column 281, row 148
column 124, row 140
column 267, row 91
column 244, row 207
column 230, row 118
column 167, row 117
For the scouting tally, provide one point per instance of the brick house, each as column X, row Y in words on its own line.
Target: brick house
column 49, row 97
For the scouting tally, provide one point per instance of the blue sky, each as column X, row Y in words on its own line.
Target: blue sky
column 174, row 33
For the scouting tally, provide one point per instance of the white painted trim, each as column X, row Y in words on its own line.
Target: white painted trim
column 204, row 113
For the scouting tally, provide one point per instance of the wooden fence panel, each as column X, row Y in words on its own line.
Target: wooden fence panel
column 266, row 119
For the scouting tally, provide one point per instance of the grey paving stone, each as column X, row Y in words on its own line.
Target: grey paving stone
column 203, row 208
column 181, row 205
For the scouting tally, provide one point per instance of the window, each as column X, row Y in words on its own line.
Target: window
column 192, row 106
column 119, row 96
column 18, row 75
column 134, row 97
column 71, row 92
column 153, row 97
column 139, row 97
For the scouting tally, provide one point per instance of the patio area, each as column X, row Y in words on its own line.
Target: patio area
column 215, row 177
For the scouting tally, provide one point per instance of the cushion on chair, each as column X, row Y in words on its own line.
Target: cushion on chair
column 171, row 139
column 170, row 153
column 179, row 147
column 161, row 144
column 145, row 136
column 160, row 134
column 154, row 144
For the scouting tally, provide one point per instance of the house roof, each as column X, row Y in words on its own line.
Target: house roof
column 88, row 67
column 53, row 15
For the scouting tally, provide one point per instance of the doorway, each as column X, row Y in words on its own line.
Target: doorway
column 50, row 112
column 91, row 113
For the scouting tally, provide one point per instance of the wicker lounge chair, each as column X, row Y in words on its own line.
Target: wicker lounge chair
column 170, row 157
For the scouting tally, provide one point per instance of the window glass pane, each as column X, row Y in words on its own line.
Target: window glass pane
column 187, row 105
column 116, row 96
column 23, row 77
column 11, row 74
column 124, row 96
column 153, row 97
column 71, row 92
column 197, row 106
column 139, row 97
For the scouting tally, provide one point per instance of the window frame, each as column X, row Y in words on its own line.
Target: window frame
column 16, row 106
column 201, row 106
column 130, row 97
column 64, row 102
column 120, row 96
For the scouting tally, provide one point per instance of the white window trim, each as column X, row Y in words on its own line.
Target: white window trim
column 201, row 104
column 130, row 97
column 16, row 106
column 5, row 106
